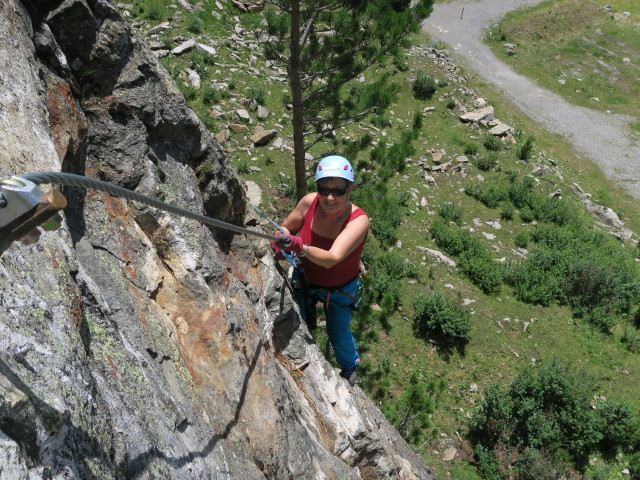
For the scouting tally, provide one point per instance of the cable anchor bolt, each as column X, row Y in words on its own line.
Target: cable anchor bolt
column 25, row 209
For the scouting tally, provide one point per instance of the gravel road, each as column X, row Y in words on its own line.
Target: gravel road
column 600, row 137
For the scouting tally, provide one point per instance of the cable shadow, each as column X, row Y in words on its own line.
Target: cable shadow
column 21, row 423
column 136, row 467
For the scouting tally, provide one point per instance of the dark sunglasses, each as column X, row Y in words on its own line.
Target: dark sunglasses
column 336, row 192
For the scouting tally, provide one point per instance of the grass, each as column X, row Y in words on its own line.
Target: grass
column 497, row 346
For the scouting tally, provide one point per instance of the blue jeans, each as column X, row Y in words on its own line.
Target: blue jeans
column 338, row 311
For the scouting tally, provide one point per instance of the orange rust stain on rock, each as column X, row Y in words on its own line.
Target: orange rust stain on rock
column 115, row 207
column 117, row 210
column 140, row 301
column 232, row 266
column 200, row 329
column 66, row 121
column 113, row 368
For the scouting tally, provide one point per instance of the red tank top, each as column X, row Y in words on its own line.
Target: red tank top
column 341, row 272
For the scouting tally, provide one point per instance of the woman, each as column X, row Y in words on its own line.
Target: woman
column 328, row 233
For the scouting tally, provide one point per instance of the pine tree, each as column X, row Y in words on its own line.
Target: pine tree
column 326, row 46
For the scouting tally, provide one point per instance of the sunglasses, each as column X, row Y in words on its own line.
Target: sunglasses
column 335, row 192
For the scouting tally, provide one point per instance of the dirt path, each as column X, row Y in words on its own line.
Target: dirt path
column 597, row 136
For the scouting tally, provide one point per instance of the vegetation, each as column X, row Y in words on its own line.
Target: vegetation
column 445, row 320
column 437, row 342
column 549, row 419
column 578, row 50
column 424, row 86
column 326, row 48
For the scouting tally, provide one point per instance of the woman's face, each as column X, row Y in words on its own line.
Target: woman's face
column 333, row 193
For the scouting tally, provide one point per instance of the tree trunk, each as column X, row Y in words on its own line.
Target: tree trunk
column 296, row 97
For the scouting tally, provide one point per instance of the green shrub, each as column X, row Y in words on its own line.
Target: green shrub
column 532, row 284
column 619, row 427
column 418, row 122
column 257, row 94
column 533, row 464
column 492, row 143
column 489, row 195
column 287, row 187
column 155, row 11
column 471, row 148
column 549, row 209
column 508, row 211
column 190, row 93
column 475, row 260
column 634, row 465
column 211, row 95
column 491, row 421
column 631, row 339
column 424, row 86
column 443, row 319
column 545, row 416
column 484, row 272
column 383, row 280
column 193, row 23
column 410, row 413
column 451, row 103
column 523, row 151
column 487, row 162
column 522, row 239
column 450, row 212
column 390, row 210
column 380, row 121
column 243, row 167
column 200, row 61
column 487, row 463
column 526, row 214
column 453, row 242
column 519, row 191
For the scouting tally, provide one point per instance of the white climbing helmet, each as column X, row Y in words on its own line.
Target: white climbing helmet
column 334, row 166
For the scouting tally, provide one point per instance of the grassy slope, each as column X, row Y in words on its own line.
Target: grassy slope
column 579, row 51
column 494, row 351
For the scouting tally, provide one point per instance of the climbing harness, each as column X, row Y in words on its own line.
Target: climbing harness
column 298, row 279
column 24, row 207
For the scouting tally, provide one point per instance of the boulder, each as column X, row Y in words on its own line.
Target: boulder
column 262, row 137
column 477, row 116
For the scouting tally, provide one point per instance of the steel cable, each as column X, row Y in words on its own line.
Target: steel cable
column 72, row 180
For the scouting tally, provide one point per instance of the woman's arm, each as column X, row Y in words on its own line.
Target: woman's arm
column 348, row 240
column 293, row 223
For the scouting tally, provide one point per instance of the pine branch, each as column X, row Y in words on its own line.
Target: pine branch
column 307, row 30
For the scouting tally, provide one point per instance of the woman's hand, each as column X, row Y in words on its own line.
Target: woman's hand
column 276, row 251
column 289, row 242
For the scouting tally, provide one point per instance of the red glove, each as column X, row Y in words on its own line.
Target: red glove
column 289, row 242
column 277, row 251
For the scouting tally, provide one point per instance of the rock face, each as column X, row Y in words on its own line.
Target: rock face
column 135, row 344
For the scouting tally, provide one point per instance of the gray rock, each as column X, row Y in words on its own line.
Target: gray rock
column 205, row 48
column 500, row 130
column 262, row 112
column 441, row 257
column 254, row 193
column 262, row 137
column 449, row 454
column 184, row 47
column 476, row 116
